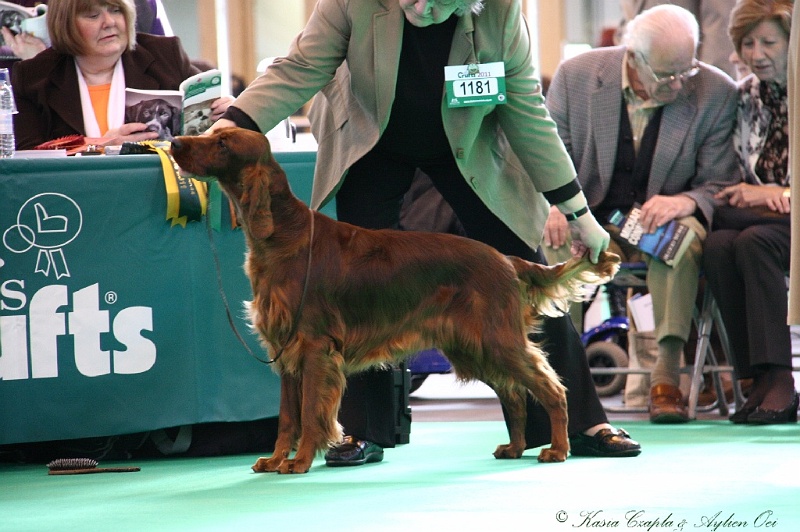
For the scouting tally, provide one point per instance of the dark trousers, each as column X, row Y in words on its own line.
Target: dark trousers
column 371, row 196
column 746, row 273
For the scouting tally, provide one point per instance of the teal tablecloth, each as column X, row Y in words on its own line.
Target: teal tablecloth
column 111, row 320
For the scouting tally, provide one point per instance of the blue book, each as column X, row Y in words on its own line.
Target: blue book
column 667, row 243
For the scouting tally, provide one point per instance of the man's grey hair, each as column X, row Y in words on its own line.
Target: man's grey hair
column 670, row 21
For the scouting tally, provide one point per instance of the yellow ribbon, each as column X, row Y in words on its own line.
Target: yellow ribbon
column 187, row 198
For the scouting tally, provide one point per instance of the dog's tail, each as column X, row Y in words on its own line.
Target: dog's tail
column 551, row 289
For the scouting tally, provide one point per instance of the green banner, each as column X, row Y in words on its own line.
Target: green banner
column 111, row 322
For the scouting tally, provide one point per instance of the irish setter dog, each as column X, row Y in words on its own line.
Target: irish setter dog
column 360, row 298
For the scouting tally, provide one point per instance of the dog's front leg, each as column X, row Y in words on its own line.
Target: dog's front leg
column 288, row 425
column 322, row 384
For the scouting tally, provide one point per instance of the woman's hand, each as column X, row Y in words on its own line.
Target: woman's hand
column 132, row 132
column 746, row 195
column 24, row 45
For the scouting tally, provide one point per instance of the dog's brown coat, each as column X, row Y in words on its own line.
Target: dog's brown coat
column 377, row 296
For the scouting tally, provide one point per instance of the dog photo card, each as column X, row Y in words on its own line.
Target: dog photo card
column 186, row 111
column 199, row 92
column 159, row 110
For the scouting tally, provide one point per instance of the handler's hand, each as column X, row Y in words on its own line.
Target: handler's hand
column 220, row 105
column 219, row 124
column 591, row 234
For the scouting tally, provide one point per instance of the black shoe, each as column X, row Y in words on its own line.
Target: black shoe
column 740, row 416
column 607, row 443
column 773, row 417
column 353, row 452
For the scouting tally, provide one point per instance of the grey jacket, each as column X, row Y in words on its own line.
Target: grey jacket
column 693, row 154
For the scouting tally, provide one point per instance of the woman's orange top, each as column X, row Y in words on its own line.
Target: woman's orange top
column 99, row 95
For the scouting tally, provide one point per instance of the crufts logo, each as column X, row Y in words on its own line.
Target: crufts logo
column 47, row 222
column 32, row 328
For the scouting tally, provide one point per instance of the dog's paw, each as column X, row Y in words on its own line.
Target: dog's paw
column 552, row 455
column 508, row 451
column 268, row 465
column 294, row 467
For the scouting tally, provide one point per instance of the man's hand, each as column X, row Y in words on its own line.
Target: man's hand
column 556, row 229
column 659, row 210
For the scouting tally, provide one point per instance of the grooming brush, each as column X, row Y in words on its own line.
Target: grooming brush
column 80, row 466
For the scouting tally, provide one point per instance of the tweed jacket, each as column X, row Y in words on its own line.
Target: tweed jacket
column 48, row 97
column 693, row 154
column 350, row 49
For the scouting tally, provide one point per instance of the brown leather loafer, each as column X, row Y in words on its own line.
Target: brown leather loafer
column 666, row 405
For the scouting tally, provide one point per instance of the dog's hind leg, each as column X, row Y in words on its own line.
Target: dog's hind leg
column 525, row 370
column 288, row 425
column 513, row 400
column 545, row 386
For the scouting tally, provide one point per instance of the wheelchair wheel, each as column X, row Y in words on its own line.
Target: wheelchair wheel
column 607, row 355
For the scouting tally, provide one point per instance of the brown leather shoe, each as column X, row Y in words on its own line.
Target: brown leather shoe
column 666, row 405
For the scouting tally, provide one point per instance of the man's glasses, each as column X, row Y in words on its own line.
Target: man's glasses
column 668, row 79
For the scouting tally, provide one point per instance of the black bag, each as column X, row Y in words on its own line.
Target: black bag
column 739, row 218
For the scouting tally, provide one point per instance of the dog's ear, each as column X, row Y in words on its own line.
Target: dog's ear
column 175, row 123
column 132, row 112
column 256, row 201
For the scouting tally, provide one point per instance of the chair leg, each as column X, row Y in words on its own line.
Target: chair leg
column 738, row 396
column 706, row 360
column 703, row 324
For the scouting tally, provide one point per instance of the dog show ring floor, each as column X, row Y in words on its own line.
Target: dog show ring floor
column 704, row 475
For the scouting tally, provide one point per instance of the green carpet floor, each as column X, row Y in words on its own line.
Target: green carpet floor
column 705, row 475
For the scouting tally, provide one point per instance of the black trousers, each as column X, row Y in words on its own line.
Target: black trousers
column 371, row 196
column 746, row 273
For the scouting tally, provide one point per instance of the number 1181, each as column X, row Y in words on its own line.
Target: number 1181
column 475, row 87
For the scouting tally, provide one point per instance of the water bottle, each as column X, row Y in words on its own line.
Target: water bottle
column 8, row 109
